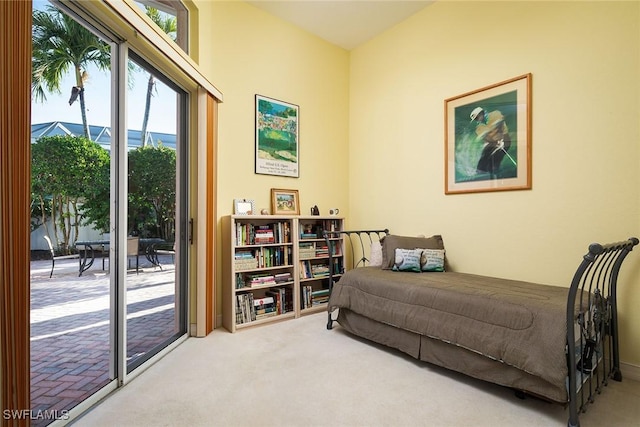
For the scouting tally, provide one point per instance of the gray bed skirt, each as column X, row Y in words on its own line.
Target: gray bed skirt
column 450, row 356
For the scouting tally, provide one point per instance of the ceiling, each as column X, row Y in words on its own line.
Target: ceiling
column 346, row 23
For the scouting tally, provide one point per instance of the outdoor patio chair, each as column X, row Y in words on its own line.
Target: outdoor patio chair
column 133, row 250
column 54, row 257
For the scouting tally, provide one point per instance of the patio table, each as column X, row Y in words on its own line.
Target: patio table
column 87, row 252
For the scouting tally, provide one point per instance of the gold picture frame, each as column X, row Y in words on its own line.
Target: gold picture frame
column 488, row 138
column 285, row 202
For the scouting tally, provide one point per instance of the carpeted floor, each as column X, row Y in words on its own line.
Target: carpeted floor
column 296, row 373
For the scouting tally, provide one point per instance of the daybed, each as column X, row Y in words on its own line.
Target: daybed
column 553, row 342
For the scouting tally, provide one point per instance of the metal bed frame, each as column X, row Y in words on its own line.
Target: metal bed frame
column 592, row 319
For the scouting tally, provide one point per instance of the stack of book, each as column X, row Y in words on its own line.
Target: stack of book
column 283, row 278
column 319, row 270
column 322, row 251
column 263, row 235
column 261, row 280
column 265, row 307
column 319, row 297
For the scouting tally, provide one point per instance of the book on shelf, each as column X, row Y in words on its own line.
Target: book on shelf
column 319, row 297
column 305, row 296
column 252, row 234
column 319, row 270
column 261, row 280
column 322, row 251
column 305, row 270
column 240, row 283
column 245, row 311
column 283, row 277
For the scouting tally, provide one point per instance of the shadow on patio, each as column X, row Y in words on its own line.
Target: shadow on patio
column 70, row 321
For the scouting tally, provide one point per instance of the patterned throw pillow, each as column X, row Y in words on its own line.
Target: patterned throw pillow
column 407, row 260
column 375, row 255
column 432, row 260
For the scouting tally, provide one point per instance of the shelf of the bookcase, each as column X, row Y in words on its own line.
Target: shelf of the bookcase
column 314, row 309
column 311, row 279
column 315, row 257
column 262, row 245
column 287, row 315
column 267, row 286
column 254, row 270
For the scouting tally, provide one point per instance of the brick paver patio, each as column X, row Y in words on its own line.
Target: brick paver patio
column 70, row 327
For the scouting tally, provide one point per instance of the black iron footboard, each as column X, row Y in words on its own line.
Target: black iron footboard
column 592, row 324
column 359, row 242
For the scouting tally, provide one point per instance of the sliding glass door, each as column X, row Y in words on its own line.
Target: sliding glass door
column 109, row 188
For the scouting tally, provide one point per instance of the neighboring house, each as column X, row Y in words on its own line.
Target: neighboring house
column 100, row 134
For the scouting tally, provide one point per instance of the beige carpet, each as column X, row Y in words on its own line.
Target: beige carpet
column 296, row 373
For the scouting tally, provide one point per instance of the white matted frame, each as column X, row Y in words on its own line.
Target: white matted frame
column 488, row 138
column 244, row 207
column 277, row 137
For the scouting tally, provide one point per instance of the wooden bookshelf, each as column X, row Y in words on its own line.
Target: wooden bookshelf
column 313, row 260
column 276, row 267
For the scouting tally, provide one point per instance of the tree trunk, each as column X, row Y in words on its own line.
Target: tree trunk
column 44, row 216
column 83, row 108
column 147, row 109
column 83, row 111
column 76, row 221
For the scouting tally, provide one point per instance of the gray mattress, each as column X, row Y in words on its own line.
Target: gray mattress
column 508, row 332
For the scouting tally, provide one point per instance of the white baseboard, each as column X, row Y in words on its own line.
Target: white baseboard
column 630, row 371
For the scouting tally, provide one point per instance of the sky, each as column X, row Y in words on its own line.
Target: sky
column 162, row 117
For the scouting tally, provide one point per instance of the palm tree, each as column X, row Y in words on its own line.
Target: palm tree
column 168, row 24
column 60, row 43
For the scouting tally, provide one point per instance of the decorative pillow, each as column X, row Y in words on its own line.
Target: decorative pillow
column 407, row 260
column 432, row 260
column 391, row 242
column 375, row 256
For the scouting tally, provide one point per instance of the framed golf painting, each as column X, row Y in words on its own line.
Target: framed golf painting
column 488, row 138
column 277, row 134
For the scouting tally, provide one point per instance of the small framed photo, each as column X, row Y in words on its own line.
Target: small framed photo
column 277, row 137
column 285, row 202
column 244, row 207
column 488, row 138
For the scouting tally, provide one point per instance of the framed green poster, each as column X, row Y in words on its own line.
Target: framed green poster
column 277, row 137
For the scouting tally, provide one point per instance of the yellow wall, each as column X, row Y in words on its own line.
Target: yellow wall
column 375, row 118
column 584, row 58
column 246, row 51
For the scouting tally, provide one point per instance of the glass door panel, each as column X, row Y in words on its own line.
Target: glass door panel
column 155, row 315
column 71, row 307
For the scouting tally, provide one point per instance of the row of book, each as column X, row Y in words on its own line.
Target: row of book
column 311, row 298
column 244, row 280
column 263, row 257
column 251, row 234
column 309, row 270
column 276, row 301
